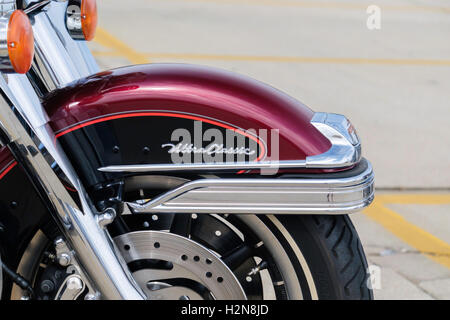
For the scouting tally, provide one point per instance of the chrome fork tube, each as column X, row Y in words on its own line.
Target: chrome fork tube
column 93, row 246
column 61, row 60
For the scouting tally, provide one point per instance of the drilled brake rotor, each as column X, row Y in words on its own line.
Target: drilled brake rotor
column 189, row 266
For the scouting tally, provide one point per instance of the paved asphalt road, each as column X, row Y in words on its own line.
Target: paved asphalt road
column 393, row 83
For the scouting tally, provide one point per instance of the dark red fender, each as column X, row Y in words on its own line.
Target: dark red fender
column 208, row 93
column 7, row 162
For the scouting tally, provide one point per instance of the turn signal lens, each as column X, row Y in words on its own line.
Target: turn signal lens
column 20, row 41
column 89, row 18
column 81, row 19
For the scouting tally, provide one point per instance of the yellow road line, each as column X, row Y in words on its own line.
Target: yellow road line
column 144, row 58
column 109, row 41
column 330, row 5
column 426, row 243
column 414, row 198
column 284, row 59
column 97, row 53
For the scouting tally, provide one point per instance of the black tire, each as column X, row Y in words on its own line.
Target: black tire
column 334, row 254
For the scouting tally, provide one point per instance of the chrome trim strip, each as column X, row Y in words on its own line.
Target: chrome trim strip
column 144, row 168
column 266, row 196
column 345, row 152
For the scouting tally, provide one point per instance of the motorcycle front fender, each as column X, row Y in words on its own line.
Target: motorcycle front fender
column 128, row 116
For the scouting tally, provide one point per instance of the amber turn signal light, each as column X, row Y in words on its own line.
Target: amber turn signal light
column 20, row 42
column 89, row 18
column 81, row 19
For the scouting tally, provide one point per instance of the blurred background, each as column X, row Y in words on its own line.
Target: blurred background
column 385, row 64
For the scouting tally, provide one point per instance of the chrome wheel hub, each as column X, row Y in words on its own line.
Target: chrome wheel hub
column 180, row 268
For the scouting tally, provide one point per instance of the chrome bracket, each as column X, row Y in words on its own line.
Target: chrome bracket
column 106, row 217
column 76, row 283
column 72, row 287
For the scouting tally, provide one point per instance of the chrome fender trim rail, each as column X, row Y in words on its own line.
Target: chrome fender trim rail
column 266, row 196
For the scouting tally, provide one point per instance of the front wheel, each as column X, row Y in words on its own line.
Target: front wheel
column 193, row 257
column 182, row 256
